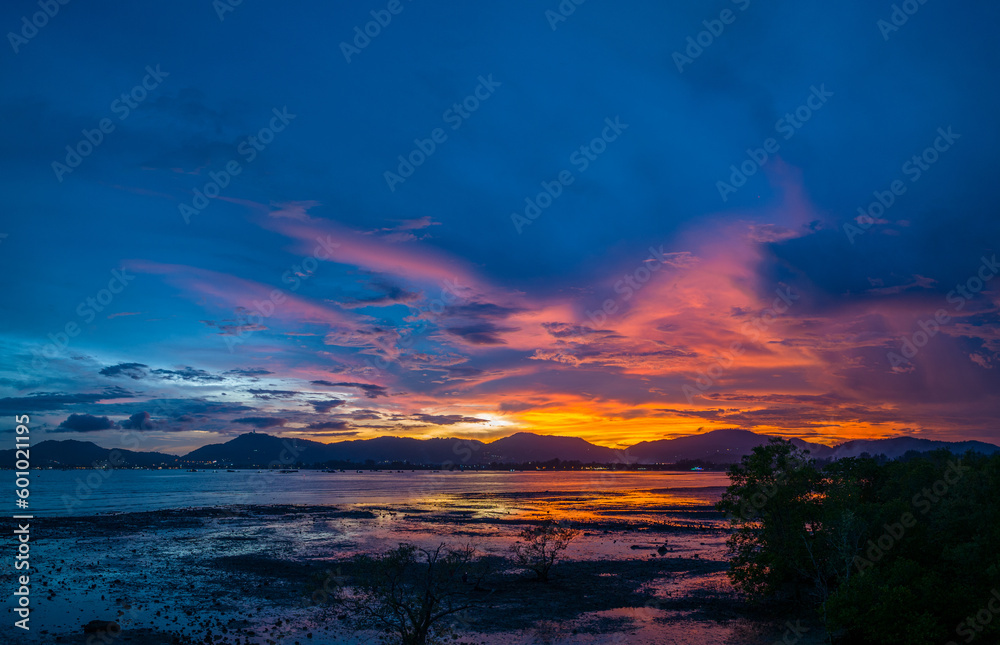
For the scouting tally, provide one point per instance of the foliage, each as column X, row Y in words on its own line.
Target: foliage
column 539, row 547
column 904, row 551
column 412, row 593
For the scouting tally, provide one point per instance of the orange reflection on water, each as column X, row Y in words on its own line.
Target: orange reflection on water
column 583, row 497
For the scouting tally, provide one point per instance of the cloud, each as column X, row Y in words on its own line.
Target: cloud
column 388, row 294
column 42, row 401
column 326, row 406
column 445, row 419
column 85, row 423
column 362, row 415
column 294, row 210
column 134, row 371
column 137, row 371
column 268, row 395
column 329, row 425
column 250, row 371
column 409, row 225
column 348, row 433
column 187, row 374
column 138, row 421
column 260, row 422
column 483, row 333
column 370, row 391
column 224, row 290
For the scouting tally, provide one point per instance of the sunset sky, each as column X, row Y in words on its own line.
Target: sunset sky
column 325, row 288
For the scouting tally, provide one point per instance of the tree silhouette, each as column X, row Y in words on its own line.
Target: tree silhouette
column 539, row 547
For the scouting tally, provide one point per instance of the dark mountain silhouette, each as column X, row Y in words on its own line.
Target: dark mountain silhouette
column 263, row 450
column 523, row 447
column 899, row 446
column 259, row 449
column 415, row 451
column 719, row 446
column 72, row 453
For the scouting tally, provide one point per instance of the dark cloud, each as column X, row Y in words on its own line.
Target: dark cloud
column 479, row 310
column 329, row 425
column 370, row 391
column 139, row 371
column 326, row 406
column 567, row 330
column 445, row 419
column 234, row 327
column 388, row 294
column 138, row 421
column 187, row 374
column 260, row 422
column 42, row 401
column 131, row 370
column 251, row 371
column 362, row 415
column 346, row 433
column 482, row 333
column 85, row 423
column 268, row 395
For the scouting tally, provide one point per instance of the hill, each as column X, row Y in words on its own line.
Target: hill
column 257, row 450
column 73, row 453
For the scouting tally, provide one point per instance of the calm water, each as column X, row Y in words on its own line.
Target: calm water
column 87, row 492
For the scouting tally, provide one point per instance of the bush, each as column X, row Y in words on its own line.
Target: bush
column 901, row 551
column 412, row 593
column 539, row 547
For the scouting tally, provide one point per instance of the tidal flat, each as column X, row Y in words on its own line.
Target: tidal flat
column 266, row 573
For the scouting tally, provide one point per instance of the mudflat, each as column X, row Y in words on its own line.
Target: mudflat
column 244, row 574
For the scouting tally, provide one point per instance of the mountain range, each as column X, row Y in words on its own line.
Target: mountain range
column 259, row 449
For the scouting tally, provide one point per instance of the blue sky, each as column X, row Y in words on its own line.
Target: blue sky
column 510, row 348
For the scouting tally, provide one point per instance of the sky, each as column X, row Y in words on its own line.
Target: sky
column 621, row 222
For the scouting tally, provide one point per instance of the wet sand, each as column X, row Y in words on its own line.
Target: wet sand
column 253, row 574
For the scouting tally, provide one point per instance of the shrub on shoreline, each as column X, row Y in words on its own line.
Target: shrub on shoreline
column 898, row 551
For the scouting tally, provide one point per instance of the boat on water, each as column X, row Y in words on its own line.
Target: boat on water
column 192, row 470
column 230, row 471
column 284, row 472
